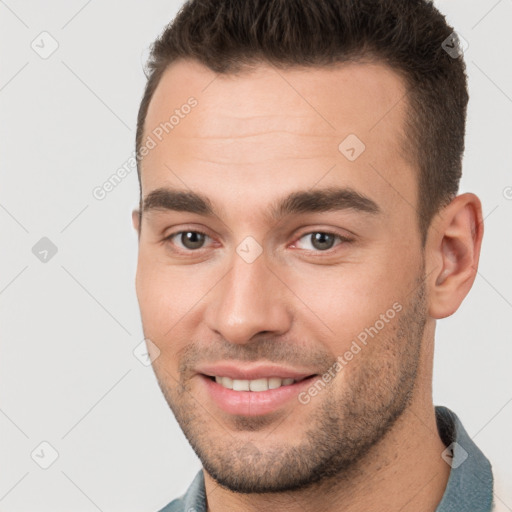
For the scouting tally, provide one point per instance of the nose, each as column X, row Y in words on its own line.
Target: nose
column 250, row 300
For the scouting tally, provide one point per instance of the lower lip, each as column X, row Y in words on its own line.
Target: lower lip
column 253, row 403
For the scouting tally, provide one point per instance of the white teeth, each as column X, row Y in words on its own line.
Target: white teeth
column 253, row 385
column 274, row 382
column 226, row 382
column 258, row 385
column 240, row 385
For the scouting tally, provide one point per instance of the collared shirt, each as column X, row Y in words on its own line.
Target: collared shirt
column 469, row 487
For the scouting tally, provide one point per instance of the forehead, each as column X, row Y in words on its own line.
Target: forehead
column 325, row 99
column 258, row 128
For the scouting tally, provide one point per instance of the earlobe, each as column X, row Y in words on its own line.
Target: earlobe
column 455, row 247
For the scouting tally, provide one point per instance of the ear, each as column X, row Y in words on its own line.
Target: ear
column 453, row 250
column 136, row 220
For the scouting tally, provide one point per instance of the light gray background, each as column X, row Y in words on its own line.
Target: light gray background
column 69, row 326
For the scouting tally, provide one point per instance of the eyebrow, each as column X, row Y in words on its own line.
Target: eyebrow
column 297, row 202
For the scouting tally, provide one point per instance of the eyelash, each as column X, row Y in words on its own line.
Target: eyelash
column 169, row 237
column 343, row 240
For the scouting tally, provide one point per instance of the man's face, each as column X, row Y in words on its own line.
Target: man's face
column 253, row 294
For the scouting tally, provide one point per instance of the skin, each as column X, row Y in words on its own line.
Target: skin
column 369, row 439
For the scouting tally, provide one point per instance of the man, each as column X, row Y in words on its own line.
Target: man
column 300, row 233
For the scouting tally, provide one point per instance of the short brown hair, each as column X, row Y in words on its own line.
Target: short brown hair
column 408, row 35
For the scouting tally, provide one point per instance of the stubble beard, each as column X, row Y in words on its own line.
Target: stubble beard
column 342, row 430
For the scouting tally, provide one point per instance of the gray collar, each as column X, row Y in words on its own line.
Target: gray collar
column 470, row 485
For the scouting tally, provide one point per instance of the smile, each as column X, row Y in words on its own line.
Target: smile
column 257, row 385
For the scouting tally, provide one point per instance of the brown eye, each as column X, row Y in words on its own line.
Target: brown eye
column 192, row 239
column 322, row 241
column 319, row 241
column 188, row 240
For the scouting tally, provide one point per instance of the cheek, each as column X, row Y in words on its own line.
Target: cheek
column 170, row 295
column 157, row 294
column 158, row 300
column 346, row 302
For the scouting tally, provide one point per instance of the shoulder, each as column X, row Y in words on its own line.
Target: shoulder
column 194, row 500
column 175, row 506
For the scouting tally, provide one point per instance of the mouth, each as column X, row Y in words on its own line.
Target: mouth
column 253, row 391
column 255, row 385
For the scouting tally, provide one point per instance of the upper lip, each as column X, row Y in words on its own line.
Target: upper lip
column 240, row 371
